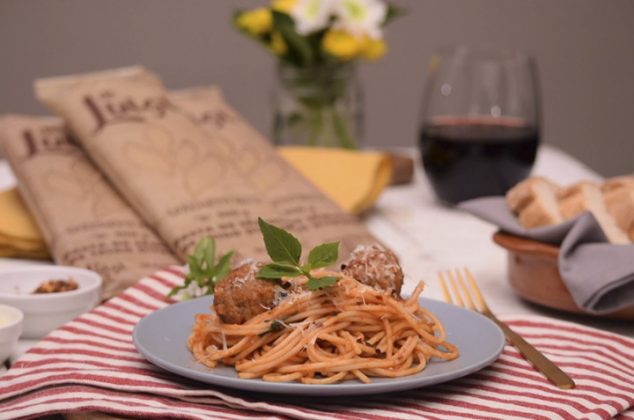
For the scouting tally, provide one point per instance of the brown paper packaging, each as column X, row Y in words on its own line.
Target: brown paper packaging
column 190, row 165
column 84, row 221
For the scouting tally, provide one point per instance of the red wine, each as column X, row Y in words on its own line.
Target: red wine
column 467, row 158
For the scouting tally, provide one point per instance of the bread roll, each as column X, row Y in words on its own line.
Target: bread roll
column 586, row 196
column 618, row 182
column 534, row 202
column 618, row 197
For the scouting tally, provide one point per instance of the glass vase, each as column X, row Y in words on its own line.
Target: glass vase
column 318, row 106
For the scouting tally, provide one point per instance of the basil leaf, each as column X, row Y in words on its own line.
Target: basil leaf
column 277, row 270
column 321, row 282
column 194, row 268
column 209, row 251
column 224, row 266
column 203, row 269
column 323, row 255
column 281, row 246
column 276, row 326
column 201, row 249
column 175, row 290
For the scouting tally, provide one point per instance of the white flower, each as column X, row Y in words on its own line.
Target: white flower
column 361, row 17
column 312, row 15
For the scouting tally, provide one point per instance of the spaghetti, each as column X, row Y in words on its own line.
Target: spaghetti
column 346, row 331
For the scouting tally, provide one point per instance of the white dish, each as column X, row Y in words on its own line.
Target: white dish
column 10, row 329
column 45, row 312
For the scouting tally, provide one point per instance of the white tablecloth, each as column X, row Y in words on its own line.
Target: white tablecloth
column 429, row 237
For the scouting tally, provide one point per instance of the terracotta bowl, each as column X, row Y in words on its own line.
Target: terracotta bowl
column 534, row 275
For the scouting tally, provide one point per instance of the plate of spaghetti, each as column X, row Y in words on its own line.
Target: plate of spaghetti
column 318, row 332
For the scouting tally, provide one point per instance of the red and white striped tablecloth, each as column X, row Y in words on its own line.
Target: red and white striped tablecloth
column 90, row 364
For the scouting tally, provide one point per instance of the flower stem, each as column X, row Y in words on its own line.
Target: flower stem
column 315, row 125
column 340, row 126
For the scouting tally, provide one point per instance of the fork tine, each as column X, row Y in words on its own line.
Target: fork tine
column 465, row 289
column 454, row 287
column 443, row 286
column 476, row 290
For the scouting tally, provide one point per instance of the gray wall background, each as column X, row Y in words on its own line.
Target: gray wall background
column 585, row 51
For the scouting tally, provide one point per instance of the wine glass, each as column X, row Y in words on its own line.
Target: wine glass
column 480, row 121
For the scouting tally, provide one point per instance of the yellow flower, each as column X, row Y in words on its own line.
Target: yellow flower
column 341, row 44
column 373, row 49
column 284, row 6
column 278, row 45
column 256, row 22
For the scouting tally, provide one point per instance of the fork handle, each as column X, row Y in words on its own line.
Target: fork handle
column 536, row 358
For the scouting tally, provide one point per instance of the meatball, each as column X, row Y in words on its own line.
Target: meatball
column 241, row 295
column 375, row 266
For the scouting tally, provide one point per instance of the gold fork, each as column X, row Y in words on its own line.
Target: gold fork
column 477, row 303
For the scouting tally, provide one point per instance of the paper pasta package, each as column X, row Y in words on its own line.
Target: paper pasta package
column 298, row 202
column 190, row 165
column 84, row 221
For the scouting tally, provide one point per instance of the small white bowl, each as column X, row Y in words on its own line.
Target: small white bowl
column 47, row 311
column 10, row 329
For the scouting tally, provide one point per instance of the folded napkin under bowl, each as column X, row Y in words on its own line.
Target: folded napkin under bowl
column 569, row 266
column 533, row 273
column 19, row 235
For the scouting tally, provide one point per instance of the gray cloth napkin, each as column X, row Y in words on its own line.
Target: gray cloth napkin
column 599, row 275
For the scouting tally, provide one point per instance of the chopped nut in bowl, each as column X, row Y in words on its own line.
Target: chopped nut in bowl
column 56, row 286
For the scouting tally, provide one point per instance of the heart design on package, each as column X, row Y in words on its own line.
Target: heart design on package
column 79, row 182
column 252, row 162
column 160, row 153
column 154, row 153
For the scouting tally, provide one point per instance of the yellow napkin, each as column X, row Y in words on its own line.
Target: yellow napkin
column 19, row 235
column 353, row 179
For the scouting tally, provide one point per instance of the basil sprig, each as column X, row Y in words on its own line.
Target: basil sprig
column 204, row 270
column 286, row 251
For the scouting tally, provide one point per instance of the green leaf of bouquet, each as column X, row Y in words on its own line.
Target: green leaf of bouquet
column 392, row 13
column 315, row 40
column 321, row 282
column 323, row 255
column 277, row 270
column 297, row 44
column 281, row 246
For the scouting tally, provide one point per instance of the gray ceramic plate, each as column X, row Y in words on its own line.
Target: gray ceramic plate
column 161, row 337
